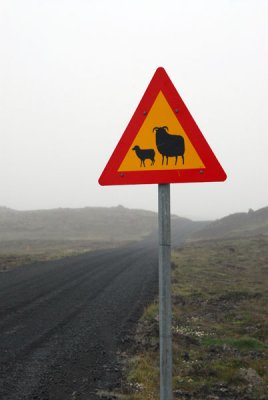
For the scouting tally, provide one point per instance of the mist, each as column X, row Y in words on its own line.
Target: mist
column 73, row 72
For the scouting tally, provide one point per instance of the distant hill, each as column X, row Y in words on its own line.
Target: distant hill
column 30, row 236
column 236, row 225
column 117, row 224
column 89, row 223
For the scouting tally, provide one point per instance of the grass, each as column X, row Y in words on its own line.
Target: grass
column 220, row 324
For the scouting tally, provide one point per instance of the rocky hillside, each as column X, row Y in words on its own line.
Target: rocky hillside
column 236, row 225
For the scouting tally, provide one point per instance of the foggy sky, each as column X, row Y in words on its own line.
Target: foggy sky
column 72, row 73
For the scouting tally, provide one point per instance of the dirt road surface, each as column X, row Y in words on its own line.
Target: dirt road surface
column 62, row 323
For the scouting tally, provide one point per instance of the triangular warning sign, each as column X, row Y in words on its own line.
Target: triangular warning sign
column 162, row 143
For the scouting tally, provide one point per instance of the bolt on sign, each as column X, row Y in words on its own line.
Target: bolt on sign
column 162, row 143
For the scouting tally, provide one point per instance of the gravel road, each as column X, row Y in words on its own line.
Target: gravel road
column 63, row 322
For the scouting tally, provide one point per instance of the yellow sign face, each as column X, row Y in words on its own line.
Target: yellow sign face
column 146, row 151
column 162, row 144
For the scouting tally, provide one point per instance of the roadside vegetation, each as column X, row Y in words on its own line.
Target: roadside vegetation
column 18, row 253
column 220, row 325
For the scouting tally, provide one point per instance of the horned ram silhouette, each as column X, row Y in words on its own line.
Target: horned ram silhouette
column 169, row 145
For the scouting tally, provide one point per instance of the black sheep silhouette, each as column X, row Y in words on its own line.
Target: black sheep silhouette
column 144, row 154
column 169, row 145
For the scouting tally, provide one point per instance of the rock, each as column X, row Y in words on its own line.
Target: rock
column 181, row 394
column 186, row 356
column 251, row 376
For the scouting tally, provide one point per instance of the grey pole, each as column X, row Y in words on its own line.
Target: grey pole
column 165, row 313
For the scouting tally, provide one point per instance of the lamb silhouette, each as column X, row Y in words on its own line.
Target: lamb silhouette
column 144, row 154
column 169, row 145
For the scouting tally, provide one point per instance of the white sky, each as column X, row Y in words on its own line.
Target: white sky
column 72, row 73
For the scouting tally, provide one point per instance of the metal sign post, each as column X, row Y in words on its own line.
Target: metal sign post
column 148, row 153
column 165, row 312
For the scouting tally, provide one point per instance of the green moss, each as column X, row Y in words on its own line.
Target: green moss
column 244, row 343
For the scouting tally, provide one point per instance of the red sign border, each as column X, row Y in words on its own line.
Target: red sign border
column 213, row 171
